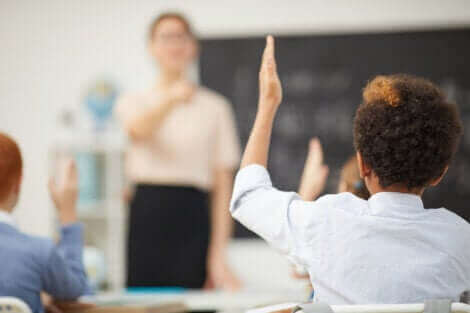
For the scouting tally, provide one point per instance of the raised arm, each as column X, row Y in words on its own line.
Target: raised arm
column 256, row 151
column 280, row 217
column 270, row 96
column 64, row 277
column 255, row 202
column 315, row 172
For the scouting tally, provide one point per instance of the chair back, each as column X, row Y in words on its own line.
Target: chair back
column 13, row 305
column 394, row 308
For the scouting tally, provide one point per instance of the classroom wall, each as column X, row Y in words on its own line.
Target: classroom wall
column 51, row 49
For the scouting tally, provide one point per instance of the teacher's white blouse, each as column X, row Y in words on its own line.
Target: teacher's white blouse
column 388, row 249
column 195, row 139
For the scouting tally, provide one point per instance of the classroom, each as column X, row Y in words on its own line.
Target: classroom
column 235, row 156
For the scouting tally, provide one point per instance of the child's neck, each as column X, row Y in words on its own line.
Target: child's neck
column 374, row 187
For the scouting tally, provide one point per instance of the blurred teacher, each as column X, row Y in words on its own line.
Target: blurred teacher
column 182, row 153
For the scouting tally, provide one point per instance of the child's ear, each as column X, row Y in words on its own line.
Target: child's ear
column 436, row 181
column 364, row 170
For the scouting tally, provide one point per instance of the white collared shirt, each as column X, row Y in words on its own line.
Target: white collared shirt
column 7, row 218
column 388, row 249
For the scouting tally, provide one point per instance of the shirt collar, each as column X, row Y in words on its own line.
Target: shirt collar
column 395, row 204
column 7, row 218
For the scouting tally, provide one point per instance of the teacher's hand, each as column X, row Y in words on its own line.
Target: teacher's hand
column 180, row 92
column 220, row 276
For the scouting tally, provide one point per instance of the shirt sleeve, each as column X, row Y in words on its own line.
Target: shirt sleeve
column 126, row 109
column 227, row 145
column 267, row 211
column 65, row 277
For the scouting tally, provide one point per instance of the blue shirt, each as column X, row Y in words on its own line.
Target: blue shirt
column 29, row 264
column 387, row 249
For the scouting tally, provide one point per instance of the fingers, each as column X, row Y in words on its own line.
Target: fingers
column 270, row 44
column 51, row 184
column 270, row 53
column 265, row 54
column 234, row 283
column 268, row 60
column 325, row 170
column 208, row 284
column 70, row 173
column 270, row 88
column 71, row 169
column 314, row 144
column 52, row 187
column 316, row 150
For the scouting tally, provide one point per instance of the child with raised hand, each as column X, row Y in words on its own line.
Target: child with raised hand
column 315, row 174
column 387, row 249
column 350, row 179
column 31, row 265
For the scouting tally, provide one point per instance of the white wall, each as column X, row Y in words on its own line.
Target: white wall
column 51, row 49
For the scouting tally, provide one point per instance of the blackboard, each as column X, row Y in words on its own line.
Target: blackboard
column 322, row 77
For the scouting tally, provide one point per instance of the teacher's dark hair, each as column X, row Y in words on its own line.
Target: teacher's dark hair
column 406, row 130
column 170, row 15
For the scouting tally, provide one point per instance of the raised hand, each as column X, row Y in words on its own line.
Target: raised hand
column 270, row 89
column 315, row 172
column 64, row 192
column 270, row 96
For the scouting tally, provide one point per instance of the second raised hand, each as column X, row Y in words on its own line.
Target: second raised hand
column 270, row 89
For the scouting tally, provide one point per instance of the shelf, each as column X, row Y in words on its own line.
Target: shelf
column 90, row 142
column 92, row 216
column 103, row 212
column 95, row 210
column 98, row 210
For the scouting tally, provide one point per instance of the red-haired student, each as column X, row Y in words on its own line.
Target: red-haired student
column 30, row 265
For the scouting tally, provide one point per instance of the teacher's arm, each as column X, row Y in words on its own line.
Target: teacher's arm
column 225, row 158
column 141, row 124
column 221, row 221
column 219, row 273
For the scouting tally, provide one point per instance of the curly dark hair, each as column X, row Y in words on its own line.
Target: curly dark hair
column 406, row 130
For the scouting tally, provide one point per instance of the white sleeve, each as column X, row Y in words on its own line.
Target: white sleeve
column 264, row 209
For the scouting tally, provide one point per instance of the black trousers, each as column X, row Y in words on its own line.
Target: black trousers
column 168, row 237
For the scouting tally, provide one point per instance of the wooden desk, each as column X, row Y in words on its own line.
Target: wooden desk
column 201, row 300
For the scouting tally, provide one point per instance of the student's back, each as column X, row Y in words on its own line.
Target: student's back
column 388, row 249
column 32, row 264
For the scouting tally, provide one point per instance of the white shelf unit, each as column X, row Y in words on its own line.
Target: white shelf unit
column 105, row 219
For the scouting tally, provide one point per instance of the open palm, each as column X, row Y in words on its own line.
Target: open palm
column 270, row 89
